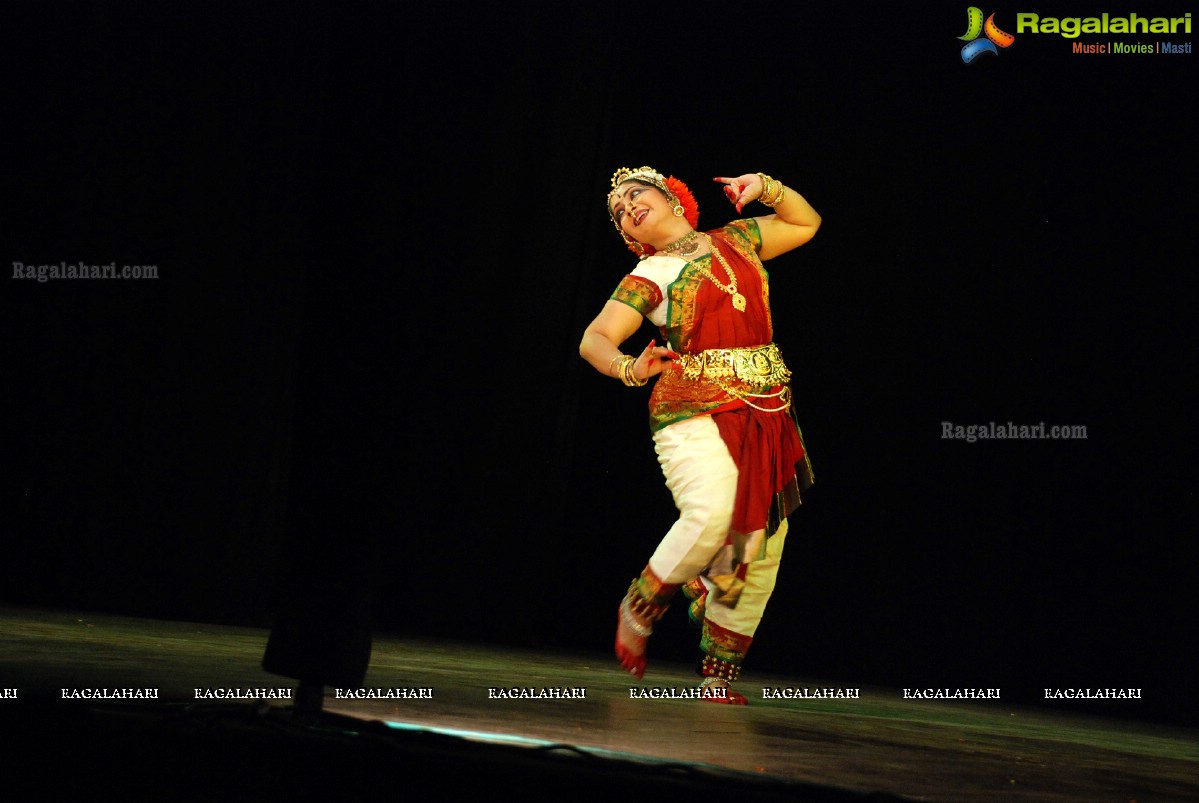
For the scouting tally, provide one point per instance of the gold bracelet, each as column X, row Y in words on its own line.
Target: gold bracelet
column 765, row 179
column 626, row 372
column 633, row 381
column 773, row 191
column 778, row 194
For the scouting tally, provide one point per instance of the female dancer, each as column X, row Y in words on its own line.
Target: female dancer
column 720, row 410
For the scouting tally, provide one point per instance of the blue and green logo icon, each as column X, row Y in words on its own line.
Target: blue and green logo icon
column 982, row 37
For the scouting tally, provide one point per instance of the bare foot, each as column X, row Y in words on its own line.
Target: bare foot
column 631, row 636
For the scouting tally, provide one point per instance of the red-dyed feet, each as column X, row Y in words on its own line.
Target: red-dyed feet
column 717, row 690
column 631, row 636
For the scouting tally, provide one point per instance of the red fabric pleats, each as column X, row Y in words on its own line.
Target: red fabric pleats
column 766, row 448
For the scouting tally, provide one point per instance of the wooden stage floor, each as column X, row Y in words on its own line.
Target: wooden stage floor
column 879, row 746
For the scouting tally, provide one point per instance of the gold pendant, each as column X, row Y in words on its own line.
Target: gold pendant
column 739, row 302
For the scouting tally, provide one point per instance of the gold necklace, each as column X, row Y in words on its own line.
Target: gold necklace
column 686, row 245
column 731, row 287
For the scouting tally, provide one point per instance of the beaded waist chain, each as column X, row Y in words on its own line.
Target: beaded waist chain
column 736, row 368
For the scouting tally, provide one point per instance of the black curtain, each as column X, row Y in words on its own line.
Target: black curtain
column 380, row 232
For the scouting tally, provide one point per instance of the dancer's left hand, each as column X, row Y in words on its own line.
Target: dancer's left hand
column 741, row 190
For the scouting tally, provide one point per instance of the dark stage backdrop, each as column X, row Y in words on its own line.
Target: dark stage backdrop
column 378, row 234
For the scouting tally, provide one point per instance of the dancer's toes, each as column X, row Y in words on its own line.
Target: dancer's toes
column 633, row 664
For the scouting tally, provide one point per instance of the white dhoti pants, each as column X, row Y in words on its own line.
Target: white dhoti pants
column 702, row 478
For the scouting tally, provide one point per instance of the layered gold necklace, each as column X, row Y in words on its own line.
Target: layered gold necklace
column 685, row 246
column 731, row 287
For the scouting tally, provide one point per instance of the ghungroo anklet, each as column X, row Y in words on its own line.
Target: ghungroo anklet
column 712, row 667
column 717, row 690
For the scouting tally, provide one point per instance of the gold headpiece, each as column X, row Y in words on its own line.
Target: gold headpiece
column 645, row 174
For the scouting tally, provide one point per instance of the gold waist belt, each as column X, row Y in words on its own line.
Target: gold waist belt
column 733, row 369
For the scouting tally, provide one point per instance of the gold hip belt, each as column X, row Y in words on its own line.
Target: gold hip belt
column 738, row 371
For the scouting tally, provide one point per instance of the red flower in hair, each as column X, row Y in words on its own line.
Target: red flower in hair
column 690, row 207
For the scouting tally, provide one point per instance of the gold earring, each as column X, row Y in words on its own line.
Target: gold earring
column 678, row 210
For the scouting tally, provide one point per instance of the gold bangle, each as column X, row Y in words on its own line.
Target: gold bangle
column 634, row 382
column 773, row 191
column 765, row 179
column 626, row 372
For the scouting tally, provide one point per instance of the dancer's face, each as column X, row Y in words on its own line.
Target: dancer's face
column 639, row 209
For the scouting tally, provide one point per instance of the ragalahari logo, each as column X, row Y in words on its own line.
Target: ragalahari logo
column 976, row 45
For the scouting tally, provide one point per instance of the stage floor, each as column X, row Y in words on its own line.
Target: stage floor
column 878, row 743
